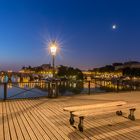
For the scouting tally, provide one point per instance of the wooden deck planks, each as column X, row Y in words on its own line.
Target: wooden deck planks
column 20, row 121
column 38, row 122
column 44, row 119
column 30, row 120
column 48, row 128
column 55, row 130
column 12, row 130
column 17, row 126
column 62, row 123
column 65, row 117
column 1, row 122
column 7, row 133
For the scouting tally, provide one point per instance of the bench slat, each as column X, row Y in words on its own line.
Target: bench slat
column 93, row 106
column 99, row 111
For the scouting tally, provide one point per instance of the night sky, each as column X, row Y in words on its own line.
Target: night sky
column 83, row 29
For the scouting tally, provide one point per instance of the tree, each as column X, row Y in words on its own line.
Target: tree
column 131, row 72
column 23, row 67
column 29, row 67
column 70, row 73
column 62, row 71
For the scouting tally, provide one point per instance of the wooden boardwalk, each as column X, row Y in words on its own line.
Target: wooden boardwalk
column 44, row 119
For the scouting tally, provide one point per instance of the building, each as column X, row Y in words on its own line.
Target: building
column 46, row 66
column 130, row 64
column 45, row 70
column 113, row 74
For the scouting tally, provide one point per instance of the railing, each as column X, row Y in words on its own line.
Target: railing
column 14, row 90
column 117, row 85
column 23, row 90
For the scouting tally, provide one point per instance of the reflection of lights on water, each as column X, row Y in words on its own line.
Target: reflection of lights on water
column 9, row 85
column 74, row 85
column 32, row 85
column 86, row 85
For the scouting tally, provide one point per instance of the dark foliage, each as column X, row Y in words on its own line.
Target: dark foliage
column 67, row 72
column 107, row 68
column 131, row 72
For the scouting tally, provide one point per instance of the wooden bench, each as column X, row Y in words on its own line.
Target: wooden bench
column 98, row 109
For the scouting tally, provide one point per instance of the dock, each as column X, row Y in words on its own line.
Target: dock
column 44, row 119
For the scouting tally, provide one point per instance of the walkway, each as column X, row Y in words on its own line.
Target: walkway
column 44, row 119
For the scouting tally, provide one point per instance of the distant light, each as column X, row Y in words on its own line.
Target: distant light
column 53, row 45
column 114, row 26
column 53, row 49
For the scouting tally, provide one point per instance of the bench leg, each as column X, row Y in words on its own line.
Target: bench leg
column 119, row 113
column 131, row 115
column 80, row 125
column 71, row 120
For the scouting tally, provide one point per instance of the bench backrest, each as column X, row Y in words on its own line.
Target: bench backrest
column 93, row 106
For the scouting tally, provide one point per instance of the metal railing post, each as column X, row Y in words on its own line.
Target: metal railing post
column 49, row 89
column 117, row 85
column 57, row 89
column 88, row 87
column 5, row 91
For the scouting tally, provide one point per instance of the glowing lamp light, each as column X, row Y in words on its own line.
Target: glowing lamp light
column 53, row 47
column 53, row 50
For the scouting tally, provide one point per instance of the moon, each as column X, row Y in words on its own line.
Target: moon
column 114, row 26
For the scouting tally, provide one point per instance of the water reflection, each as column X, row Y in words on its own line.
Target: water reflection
column 37, row 89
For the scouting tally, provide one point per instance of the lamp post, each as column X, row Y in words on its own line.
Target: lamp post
column 53, row 49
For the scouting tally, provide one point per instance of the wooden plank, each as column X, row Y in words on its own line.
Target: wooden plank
column 7, row 135
column 20, row 120
column 93, row 130
column 30, row 120
column 128, row 124
column 47, row 128
column 51, row 126
column 123, row 136
column 105, row 128
column 99, row 111
column 63, row 122
column 57, row 119
column 36, row 122
column 42, row 129
column 26, row 122
column 50, row 120
column 93, row 106
column 10, row 122
column 107, row 131
column 15, row 122
column 123, row 131
column 101, row 131
column 1, row 122
column 88, row 134
column 64, row 127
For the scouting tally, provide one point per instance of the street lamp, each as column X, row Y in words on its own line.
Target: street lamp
column 53, row 45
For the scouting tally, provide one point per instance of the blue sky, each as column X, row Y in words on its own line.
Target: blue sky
column 83, row 28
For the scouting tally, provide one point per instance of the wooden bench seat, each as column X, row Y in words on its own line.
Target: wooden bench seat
column 104, row 110
column 99, row 109
column 92, row 106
